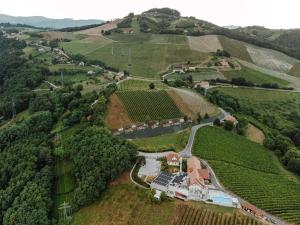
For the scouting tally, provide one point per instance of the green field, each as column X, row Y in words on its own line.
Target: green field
column 203, row 74
column 176, row 141
column 236, row 48
column 295, row 71
column 132, row 85
column 149, row 105
column 254, row 76
column 148, row 54
column 273, row 103
column 250, row 171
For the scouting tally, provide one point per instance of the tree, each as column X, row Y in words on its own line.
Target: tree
column 294, row 165
column 199, row 118
column 217, row 122
column 151, row 86
column 228, row 125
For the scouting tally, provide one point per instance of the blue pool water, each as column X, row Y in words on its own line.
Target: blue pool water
column 221, row 200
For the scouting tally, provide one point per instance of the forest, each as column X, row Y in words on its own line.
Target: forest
column 28, row 146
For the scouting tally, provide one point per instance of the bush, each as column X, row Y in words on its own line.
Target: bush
column 228, row 125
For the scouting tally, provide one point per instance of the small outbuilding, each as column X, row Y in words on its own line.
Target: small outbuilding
column 173, row 159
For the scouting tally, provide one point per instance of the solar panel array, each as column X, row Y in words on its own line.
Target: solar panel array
column 180, row 178
column 164, row 179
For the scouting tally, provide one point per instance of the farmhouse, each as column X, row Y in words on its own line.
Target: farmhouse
column 196, row 183
column 231, row 119
column 179, row 68
column 202, row 84
column 165, row 123
column 173, row 159
column 140, row 126
column 252, row 209
column 224, row 63
column 153, row 124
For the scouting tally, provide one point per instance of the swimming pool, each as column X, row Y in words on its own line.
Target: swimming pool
column 221, row 200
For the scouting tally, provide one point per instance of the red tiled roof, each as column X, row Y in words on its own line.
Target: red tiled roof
column 204, row 174
column 193, row 169
column 173, row 157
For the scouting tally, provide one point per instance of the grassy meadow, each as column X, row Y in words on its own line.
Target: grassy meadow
column 176, row 141
column 250, row 171
column 254, row 76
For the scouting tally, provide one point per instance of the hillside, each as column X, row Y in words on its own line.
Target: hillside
column 40, row 21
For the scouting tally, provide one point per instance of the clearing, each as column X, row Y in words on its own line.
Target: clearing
column 295, row 71
column 254, row 134
column 116, row 115
column 97, row 31
column 139, row 84
column 207, row 43
column 250, row 171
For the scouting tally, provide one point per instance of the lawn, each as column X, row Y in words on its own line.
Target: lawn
column 176, row 141
column 254, row 76
column 250, row 171
column 295, row 71
column 131, row 85
column 149, row 105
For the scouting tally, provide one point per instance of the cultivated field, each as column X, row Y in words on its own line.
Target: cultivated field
column 254, row 76
column 295, row 71
column 293, row 81
column 236, row 48
column 250, row 171
column 132, row 85
column 97, row 31
column 207, row 43
column 176, row 141
column 270, row 59
column 192, row 103
column 190, row 215
column 149, row 105
column 274, row 103
column 204, row 74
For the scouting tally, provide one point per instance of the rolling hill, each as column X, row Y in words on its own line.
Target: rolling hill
column 40, row 21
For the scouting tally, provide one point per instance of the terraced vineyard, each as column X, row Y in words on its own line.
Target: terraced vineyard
column 197, row 216
column 149, row 105
column 250, row 171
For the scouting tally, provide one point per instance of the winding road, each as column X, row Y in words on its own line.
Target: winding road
column 187, row 152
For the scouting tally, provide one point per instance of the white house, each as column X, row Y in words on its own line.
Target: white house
column 173, row 159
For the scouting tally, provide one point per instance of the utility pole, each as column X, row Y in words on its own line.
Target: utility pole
column 13, row 105
column 62, row 79
column 129, row 57
column 66, row 210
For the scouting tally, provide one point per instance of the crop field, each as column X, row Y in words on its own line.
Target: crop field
column 143, row 55
column 270, row 59
column 250, row 171
column 278, row 104
column 295, row 71
column 197, row 216
column 205, row 74
column 149, row 105
column 132, row 85
column 176, row 141
column 293, row 80
column 207, row 43
column 85, row 46
column 254, row 76
column 192, row 103
column 235, row 48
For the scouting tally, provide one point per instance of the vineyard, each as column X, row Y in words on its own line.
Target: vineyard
column 149, row 105
column 189, row 215
column 250, row 172
column 234, row 149
column 132, row 85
